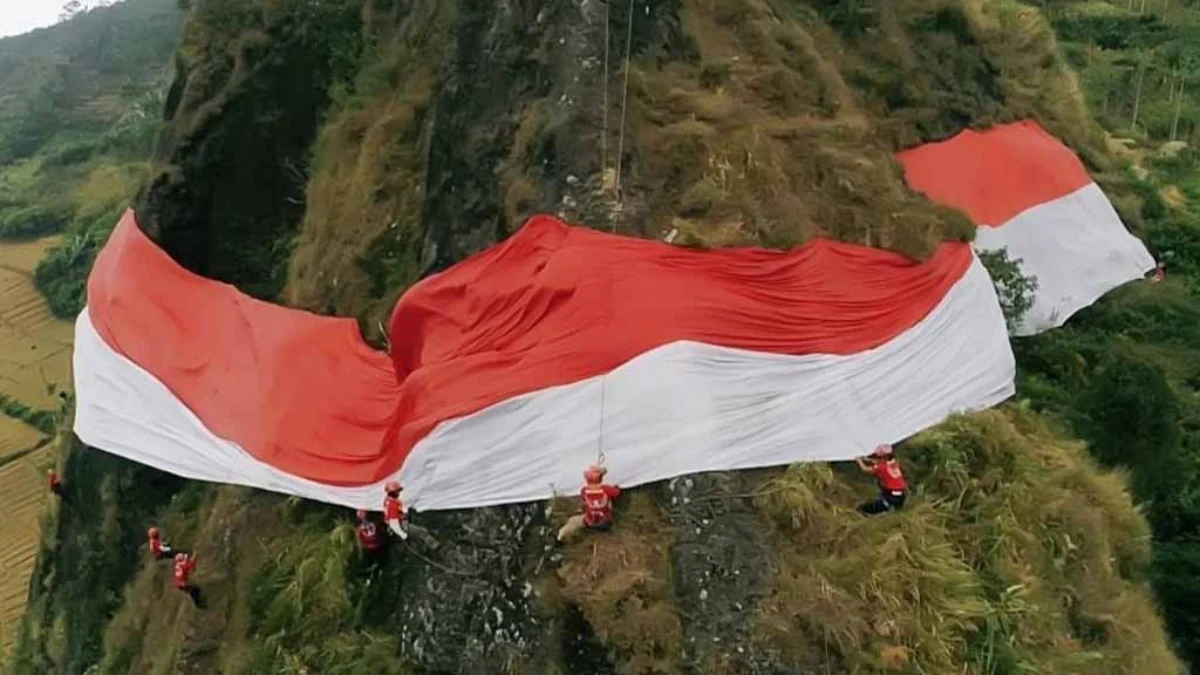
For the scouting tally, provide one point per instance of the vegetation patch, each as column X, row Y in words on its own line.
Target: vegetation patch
column 362, row 238
column 1014, row 554
column 621, row 583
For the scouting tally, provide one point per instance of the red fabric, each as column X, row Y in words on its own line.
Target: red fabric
column 556, row 304
column 368, row 535
column 597, row 503
column 155, row 547
column 298, row 391
column 888, row 473
column 996, row 174
column 53, row 481
column 393, row 508
column 552, row 305
column 183, row 571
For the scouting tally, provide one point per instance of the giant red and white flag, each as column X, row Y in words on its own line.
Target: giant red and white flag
column 512, row 370
column 1028, row 193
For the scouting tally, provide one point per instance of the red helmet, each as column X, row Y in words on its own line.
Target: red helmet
column 153, row 532
column 361, row 513
column 392, row 486
column 594, row 473
column 883, row 450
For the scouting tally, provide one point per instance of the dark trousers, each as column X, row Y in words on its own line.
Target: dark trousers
column 888, row 501
column 194, row 593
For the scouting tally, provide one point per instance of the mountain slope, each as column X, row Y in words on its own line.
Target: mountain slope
column 328, row 155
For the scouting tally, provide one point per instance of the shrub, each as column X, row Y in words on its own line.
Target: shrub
column 32, row 222
column 1015, row 289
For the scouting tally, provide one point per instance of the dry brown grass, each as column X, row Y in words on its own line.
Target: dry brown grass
column 1016, row 553
column 367, row 181
column 366, row 192
column 621, row 581
column 782, row 125
column 763, row 141
column 157, row 631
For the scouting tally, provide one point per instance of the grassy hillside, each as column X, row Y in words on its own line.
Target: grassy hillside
column 1124, row 374
column 327, row 155
column 80, row 104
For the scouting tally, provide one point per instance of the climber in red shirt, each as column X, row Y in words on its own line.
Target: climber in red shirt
column 159, row 549
column 597, row 497
column 55, row 483
column 369, row 538
column 893, row 489
column 185, row 564
column 393, row 509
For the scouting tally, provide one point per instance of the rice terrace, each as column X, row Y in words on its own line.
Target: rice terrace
column 35, row 355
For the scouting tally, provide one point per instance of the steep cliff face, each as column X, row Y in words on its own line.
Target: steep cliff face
column 327, row 155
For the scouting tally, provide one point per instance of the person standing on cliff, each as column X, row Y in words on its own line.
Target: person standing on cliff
column 393, row 509
column 55, row 484
column 185, row 565
column 893, row 489
column 370, row 539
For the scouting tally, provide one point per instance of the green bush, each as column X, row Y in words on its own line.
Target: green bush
column 42, row 420
column 1015, row 289
column 71, row 153
column 32, row 222
column 61, row 276
column 1131, row 414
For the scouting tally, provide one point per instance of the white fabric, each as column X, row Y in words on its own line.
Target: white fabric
column 1077, row 248
column 680, row 409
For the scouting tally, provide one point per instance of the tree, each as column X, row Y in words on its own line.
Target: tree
column 70, row 9
column 73, row 8
column 1014, row 288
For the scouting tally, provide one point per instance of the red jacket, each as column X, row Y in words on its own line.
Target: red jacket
column 393, row 508
column 183, row 571
column 597, row 503
column 887, row 472
column 53, row 481
column 368, row 535
column 155, row 547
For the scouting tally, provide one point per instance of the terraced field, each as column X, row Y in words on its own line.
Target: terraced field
column 22, row 497
column 35, row 347
column 15, row 437
column 35, row 360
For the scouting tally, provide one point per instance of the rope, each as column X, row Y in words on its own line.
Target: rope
column 427, row 561
column 624, row 99
column 600, row 441
column 604, row 85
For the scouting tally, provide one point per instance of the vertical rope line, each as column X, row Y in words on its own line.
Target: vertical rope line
column 600, row 441
column 624, row 99
column 604, row 86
